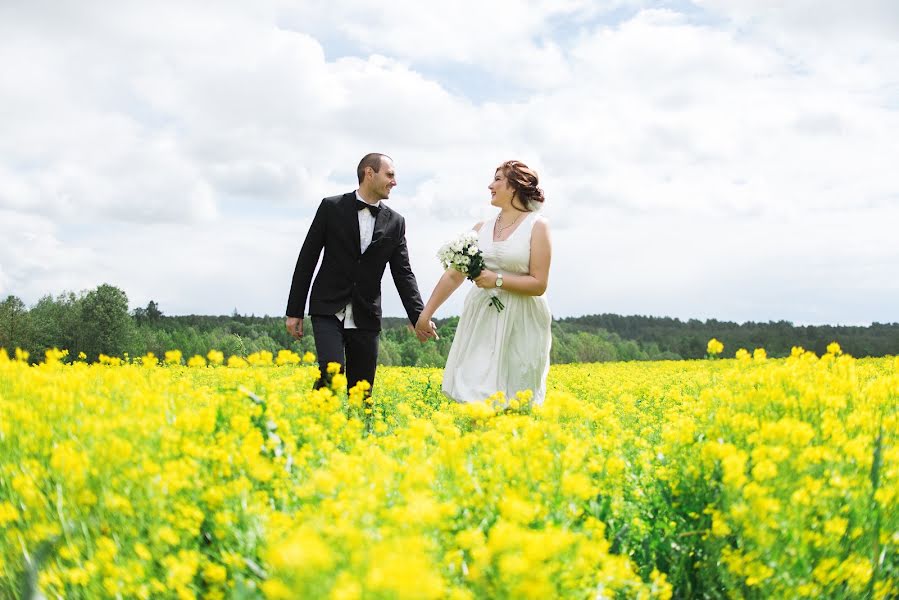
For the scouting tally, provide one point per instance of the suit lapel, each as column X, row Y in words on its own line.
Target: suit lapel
column 380, row 225
column 352, row 218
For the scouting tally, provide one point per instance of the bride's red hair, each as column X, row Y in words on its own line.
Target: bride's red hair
column 524, row 182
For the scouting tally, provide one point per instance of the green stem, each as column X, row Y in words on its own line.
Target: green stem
column 875, row 483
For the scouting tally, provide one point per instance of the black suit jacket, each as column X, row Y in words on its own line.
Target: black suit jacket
column 346, row 273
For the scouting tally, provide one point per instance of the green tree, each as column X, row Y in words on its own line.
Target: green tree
column 389, row 352
column 105, row 324
column 14, row 324
column 429, row 355
column 263, row 342
column 232, row 344
column 593, row 348
column 54, row 324
column 151, row 314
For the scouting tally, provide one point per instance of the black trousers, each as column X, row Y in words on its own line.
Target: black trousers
column 355, row 349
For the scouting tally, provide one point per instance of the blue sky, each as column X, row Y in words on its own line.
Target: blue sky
column 724, row 159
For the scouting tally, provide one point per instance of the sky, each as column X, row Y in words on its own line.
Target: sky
column 728, row 159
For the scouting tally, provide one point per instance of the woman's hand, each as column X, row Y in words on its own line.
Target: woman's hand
column 486, row 280
column 425, row 328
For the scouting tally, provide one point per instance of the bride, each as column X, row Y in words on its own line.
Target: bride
column 506, row 350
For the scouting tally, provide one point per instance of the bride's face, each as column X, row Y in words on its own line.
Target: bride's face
column 500, row 191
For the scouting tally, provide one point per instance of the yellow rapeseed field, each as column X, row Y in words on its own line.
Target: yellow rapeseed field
column 204, row 477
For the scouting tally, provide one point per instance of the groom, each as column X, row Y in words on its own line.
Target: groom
column 360, row 236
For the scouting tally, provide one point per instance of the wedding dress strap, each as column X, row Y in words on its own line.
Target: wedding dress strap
column 529, row 223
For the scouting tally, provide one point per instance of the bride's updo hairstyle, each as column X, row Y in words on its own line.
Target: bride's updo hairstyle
column 524, row 182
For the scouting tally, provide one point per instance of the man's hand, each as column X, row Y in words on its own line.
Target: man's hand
column 295, row 326
column 425, row 329
column 421, row 337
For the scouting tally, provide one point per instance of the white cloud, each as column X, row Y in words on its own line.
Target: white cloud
column 35, row 262
column 508, row 38
column 179, row 153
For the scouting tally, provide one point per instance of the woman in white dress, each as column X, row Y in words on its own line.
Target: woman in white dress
column 505, row 351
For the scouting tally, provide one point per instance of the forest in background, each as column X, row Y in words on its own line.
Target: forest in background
column 99, row 321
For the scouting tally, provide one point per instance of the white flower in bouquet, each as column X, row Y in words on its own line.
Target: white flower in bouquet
column 462, row 254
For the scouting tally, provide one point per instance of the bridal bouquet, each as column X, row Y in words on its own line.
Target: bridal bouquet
column 463, row 255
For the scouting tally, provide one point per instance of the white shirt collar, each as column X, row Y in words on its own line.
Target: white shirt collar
column 361, row 199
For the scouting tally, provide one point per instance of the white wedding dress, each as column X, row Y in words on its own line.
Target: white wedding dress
column 505, row 351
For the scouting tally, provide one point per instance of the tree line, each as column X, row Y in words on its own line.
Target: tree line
column 99, row 321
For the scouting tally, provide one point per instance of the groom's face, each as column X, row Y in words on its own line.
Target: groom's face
column 384, row 180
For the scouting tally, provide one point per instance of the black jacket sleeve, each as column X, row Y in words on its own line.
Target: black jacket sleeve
column 404, row 279
column 306, row 261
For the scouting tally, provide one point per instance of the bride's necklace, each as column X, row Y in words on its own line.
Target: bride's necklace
column 498, row 230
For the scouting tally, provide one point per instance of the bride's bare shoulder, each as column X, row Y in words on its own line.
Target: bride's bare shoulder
column 478, row 225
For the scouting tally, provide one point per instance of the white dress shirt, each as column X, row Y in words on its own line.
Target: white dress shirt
column 366, row 230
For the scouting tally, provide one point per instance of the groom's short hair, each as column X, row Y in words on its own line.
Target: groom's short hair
column 372, row 160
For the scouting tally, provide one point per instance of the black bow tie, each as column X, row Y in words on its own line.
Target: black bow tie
column 360, row 205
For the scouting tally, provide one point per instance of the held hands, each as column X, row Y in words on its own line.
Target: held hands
column 295, row 326
column 425, row 329
column 486, row 280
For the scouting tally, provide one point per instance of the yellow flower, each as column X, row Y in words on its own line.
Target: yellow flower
column 236, row 362
column 167, row 535
column 302, row 551
column 77, row 576
column 260, row 359
column 765, row 469
column 346, row 588
column 714, row 347
column 277, row 590
column 578, row 485
column 214, row 574
column 112, row 361
column 181, row 569
column 720, row 527
column 87, row 498
column 54, row 355
column 486, row 505
column 142, row 552
column 8, row 513
column 836, row 526
column 70, row 461
column 287, row 357
column 196, row 361
column 173, row 357
column 338, row 381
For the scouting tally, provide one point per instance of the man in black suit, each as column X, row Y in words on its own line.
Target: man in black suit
column 360, row 236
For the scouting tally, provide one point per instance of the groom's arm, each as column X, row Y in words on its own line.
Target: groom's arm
column 306, row 261
column 404, row 279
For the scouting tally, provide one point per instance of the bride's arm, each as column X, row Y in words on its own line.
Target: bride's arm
column 535, row 282
column 449, row 282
